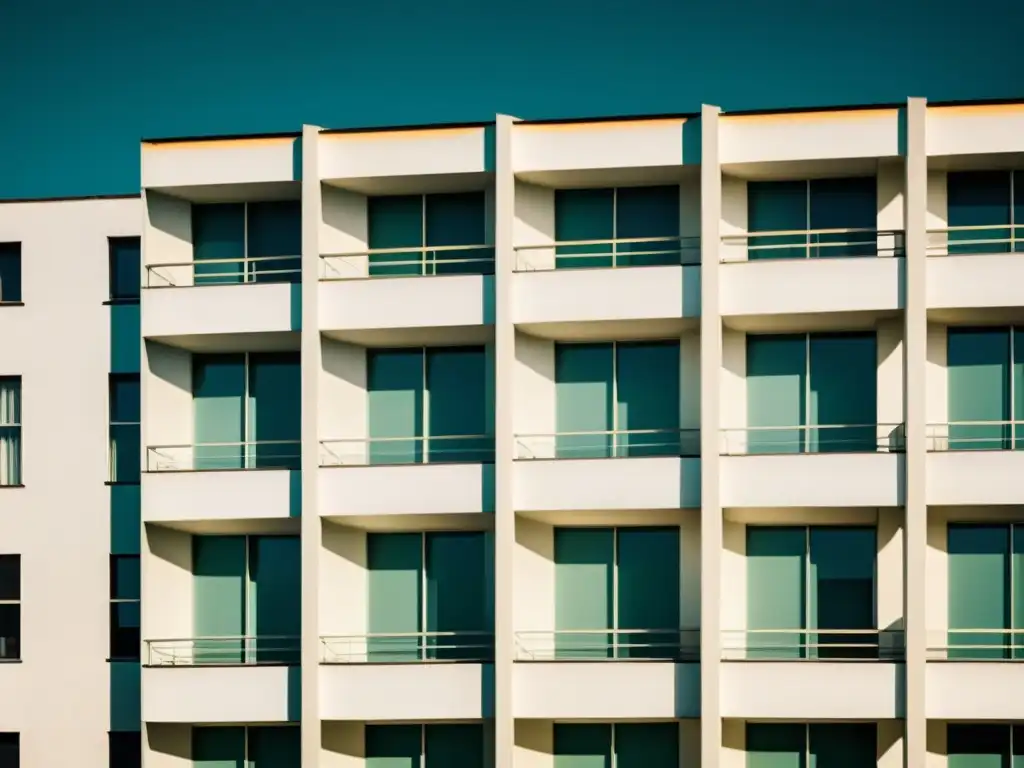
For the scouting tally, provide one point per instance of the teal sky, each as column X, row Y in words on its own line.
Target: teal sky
column 82, row 82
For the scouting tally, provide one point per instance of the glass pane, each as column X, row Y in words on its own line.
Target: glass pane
column 843, row 391
column 843, row 745
column 218, row 233
column 218, row 391
column 10, row 577
column 842, row 594
column 643, row 212
column 648, row 398
column 776, row 584
column 396, row 223
column 774, row 206
column 583, row 746
column 275, row 229
column 10, row 631
column 125, row 621
column 456, row 595
column 124, row 577
column 646, row 745
column 125, row 750
column 275, row 394
column 218, row 567
column 1017, row 591
column 125, row 453
column 980, row 200
column 394, row 746
column 648, row 563
column 125, row 267
column 125, row 332
column 125, row 401
column 395, row 564
column 456, row 381
column 275, row 597
column 776, row 745
column 10, row 749
column 978, row 361
column 454, row 746
column 978, row 590
column 776, row 392
column 973, row 745
column 583, row 392
column 10, row 272
column 584, row 214
column 218, row 747
column 458, row 219
column 1017, row 413
column 844, row 204
column 584, row 558
column 395, row 378
column 274, row 747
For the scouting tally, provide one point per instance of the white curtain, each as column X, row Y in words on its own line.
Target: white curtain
column 10, row 431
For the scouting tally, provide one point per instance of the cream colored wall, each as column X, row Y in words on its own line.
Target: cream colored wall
column 937, row 376
column 734, row 380
column 734, row 580
column 937, row 213
column 689, row 380
column 889, row 590
column 167, row 239
column 343, row 229
column 343, row 406
column 167, row 594
column 169, row 745
column 167, row 406
column 937, row 577
column 689, row 573
column 734, row 217
column 889, row 341
column 533, row 596
column 936, row 756
column 344, row 581
column 533, row 411
column 534, row 744
column 890, row 203
column 534, row 224
column 734, row 741
column 343, row 745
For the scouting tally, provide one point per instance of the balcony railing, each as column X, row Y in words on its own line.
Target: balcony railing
column 608, row 254
column 812, row 645
column 976, row 645
column 409, row 262
column 252, row 269
column 240, row 650
column 820, row 438
column 811, row 244
column 435, row 449
column 262, row 454
column 611, row 644
column 609, row 444
column 975, row 436
column 412, row 647
column 975, row 240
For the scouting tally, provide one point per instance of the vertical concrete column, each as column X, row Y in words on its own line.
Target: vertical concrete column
column 915, row 344
column 310, row 367
column 504, row 506
column 710, row 415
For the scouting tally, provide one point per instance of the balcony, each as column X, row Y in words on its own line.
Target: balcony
column 574, row 674
column 193, row 304
column 812, row 674
column 409, row 676
column 602, row 470
column 811, row 279
column 373, row 298
column 221, row 680
column 835, row 465
column 975, row 674
column 452, row 474
column 975, row 462
column 644, row 287
column 229, row 483
column 976, row 273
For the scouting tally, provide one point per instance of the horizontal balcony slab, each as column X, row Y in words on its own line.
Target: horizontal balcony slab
column 229, row 694
column 210, row 311
column 983, row 690
column 606, row 295
column 958, row 284
column 605, row 690
column 406, row 489
column 975, row 477
column 978, row 129
column 262, row 161
column 373, row 155
column 753, row 292
column 812, row 690
column 613, row 144
column 230, row 496
column 406, row 691
column 662, row 482
column 812, row 480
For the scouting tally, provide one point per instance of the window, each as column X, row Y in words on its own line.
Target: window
column 979, row 745
column 125, row 268
column 124, row 428
column 247, row 242
column 10, row 273
column 10, row 430
column 985, row 211
column 985, row 368
column 125, row 749
column 623, row 745
column 254, row 746
column 823, row 745
column 10, row 607
column 438, row 745
column 10, row 750
column 124, row 607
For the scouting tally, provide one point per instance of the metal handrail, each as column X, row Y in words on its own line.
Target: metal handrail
column 943, row 645
column 606, row 644
column 223, row 650
column 937, row 242
column 811, row 247
column 391, row 647
column 354, row 265
column 889, row 438
column 545, row 446
column 163, row 458
column 938, row 437
column 247, row 275
column 424, row 450
column 686, row 255
column 811, row 644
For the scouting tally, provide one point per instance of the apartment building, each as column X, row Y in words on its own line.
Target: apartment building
column 632, row 443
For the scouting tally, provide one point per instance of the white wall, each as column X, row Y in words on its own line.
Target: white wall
column 344, row 745
column 167, row 238
column 167, row 406
column 937, row 377
column 343, row 229
column 343, row 410
column 167, row 585
column 344, row 581
column 534, row 224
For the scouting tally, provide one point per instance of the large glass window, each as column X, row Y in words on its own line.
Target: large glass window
column 623, row 745
column 440, row 745
column 801, row 209
column 125, row 749
column 985, row 368
column 125, row 438
column 10, row 273
column 125, row 268
column 247, row 242
column 125, row 614
column 10, row 430
column 618, row 399
column 984, row 745
column 429, row 596
column 10, row 607
column 985, row 211
column 811, row 393
column 445, row 234
column 246, row 746
column 818, row 579
column 817, row 745
column 430, row 405
column 617, row 592
column 618, row 227
column 10, row 750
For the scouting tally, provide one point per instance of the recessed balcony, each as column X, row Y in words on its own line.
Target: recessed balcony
column 975, row 462
column 975, row 273
column 975, row 674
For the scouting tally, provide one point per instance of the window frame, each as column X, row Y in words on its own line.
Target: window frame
column 126, row 744
column 13, row 249
column 114, row 649
column 11, row 738
column 16, row 603
column 112, row 380
column 112, row 251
